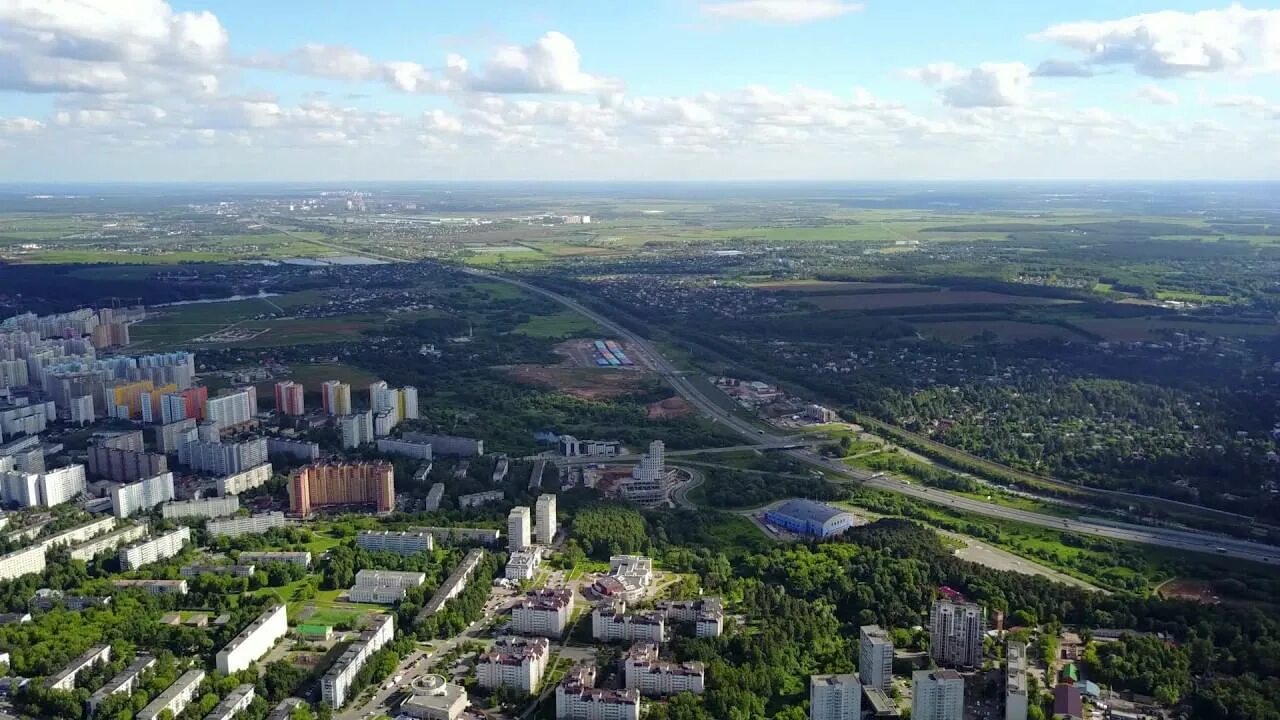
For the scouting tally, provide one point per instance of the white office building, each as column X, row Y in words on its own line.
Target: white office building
column 175, row 698
column 236, row 483
column 336, row 683
column 937, row 695
column 545, row 514
column 142, row 496
column 519, row 529
column 1015, row 687
column 544, row 613
column 205, row 508
column 875, row 657
column 402, row 543
column 956, row 630
column 657, row 678
column 610, row 622
column 154, row 550
column 254, row 641
column 246, row 525
column 835, row 697
column 514, row 663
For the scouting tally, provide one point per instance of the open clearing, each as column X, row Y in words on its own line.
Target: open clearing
column 1146, row 329
column 1003, row 330
column 562, row 324
column 878, row 301
column 585, row 383
column 1191, row 589
column 672, row 407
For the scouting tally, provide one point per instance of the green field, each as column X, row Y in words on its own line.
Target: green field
column 1001, row 330
column 563, row 324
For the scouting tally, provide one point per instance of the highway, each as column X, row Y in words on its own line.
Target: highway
column 631, row 457
column 643, row 352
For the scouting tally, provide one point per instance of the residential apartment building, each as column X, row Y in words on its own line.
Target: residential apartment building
column 232, row 409
column 544, row 613
column 402, row 543
column 82, row 411
column 454, row 584
column 260, row 557
column 206, row 508
column 220, row 458
column 236, row 483
column 155, row 587
column 337, row 681
column 110, row 542
column 405, row 448
column 301, row 450
column 246, row 525
column 644, row 671
column 516, row 663
column 66, row 678
column 545, row 518
column 835, row 697
column 1015, row 686
column 290, row 398
column 448, row 445
column 171, row 435
column 356, row 429
column 875, row 657
column 481, row 498
column 937, row 695
column 143, row 495
column 335, row 398
column 479, row 536
column 121, row 465
column 519, row 528
column 577, row 698
column 236, row 702
column 705, row 614
column 338, row 484
column 175, row 698
column 956, row 630
column 192, row 571
column 155, row 549
column 254, row 641
column 434, row 496
column 522, row 564
column 610, row 622
column 125, row 682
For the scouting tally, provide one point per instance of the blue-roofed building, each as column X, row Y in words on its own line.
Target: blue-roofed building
column 806, row 517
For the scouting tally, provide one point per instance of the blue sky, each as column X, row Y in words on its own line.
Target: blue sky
column 666, row 89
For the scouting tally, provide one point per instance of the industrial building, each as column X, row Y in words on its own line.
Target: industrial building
column 254, row 641
column 806, row 517
column 342, row 484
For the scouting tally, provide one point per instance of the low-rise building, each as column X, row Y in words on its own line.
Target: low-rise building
column 454, row 584
column 629, row 578
column 807, row 517
column 544, row 612
column 110, row 542
column 522, row 564
column 577, row 698
column 479, row 536
column 383, row 587
column 156, row 549
column 434, row 496
column 434, row 698
column 191, row 571
column 236, row 483
column 259, row 557
column 402, row 543
column 254, row 641
column 653, row 677
column 336, row 683
column 480, row 498
column 125, row 682
column 66, row 678
column 206, row 508
column 47, row 598
column 246, row 525
column 175, row 698
column 233, row 704
column 610, row 622
column 516, row 663
column 284, row 710
column 155, row 587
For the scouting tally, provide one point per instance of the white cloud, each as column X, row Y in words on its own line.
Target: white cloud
column 100, row 46
column 19, row 125
column 780, row 11
column 1172, row 43
column 1157, row 95
column 549, row 65
column 987, row 85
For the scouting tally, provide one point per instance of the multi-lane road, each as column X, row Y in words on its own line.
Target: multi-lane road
column 644, row 352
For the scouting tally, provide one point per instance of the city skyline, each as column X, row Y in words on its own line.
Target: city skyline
column 689, row 89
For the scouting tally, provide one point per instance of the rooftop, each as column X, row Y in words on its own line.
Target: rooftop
column 808, row 510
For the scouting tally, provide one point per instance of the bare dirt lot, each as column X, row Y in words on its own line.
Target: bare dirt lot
column 672, row 407
column 1189, row 589
column 586, row 383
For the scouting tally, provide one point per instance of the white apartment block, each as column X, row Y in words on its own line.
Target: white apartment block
column 233, row 704
column 405, row 448
column 237, row 483
column 254, row 641
column 61, row 485
column 482, row 536
column 80, row 533
column 175, row 698
column 577, row 698
column 956, row 631
column 125, row 682
column 519, row 529
column 356, row 429
column 402, row 543
column 937, row 695
column 154, row 550
column 230, row 410
column 142, row 495
column 20, row 488
column 82, row 410
column 656, row 678
column 545, row 514
column 514, row 663
column 434, row 496
column 376, row 594
column 480, row 498
column 523, row 564
column 835, row 697
column 246, row 525
column 259, row 557
column 206, row 508
column 335, row 683
column 27, row 561
column 544, row 613
column 66, row 678
column 91, row 548
column 875, row 657
column 393, row 578
column 610, row 622
column 1015, row 686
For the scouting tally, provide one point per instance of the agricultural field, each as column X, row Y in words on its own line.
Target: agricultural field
column 561, row 325
column 1007, row 331
column 882, row 301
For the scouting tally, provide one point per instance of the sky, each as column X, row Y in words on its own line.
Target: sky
column 342, row 91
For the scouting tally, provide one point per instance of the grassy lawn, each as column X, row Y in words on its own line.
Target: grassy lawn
column 563, row 324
